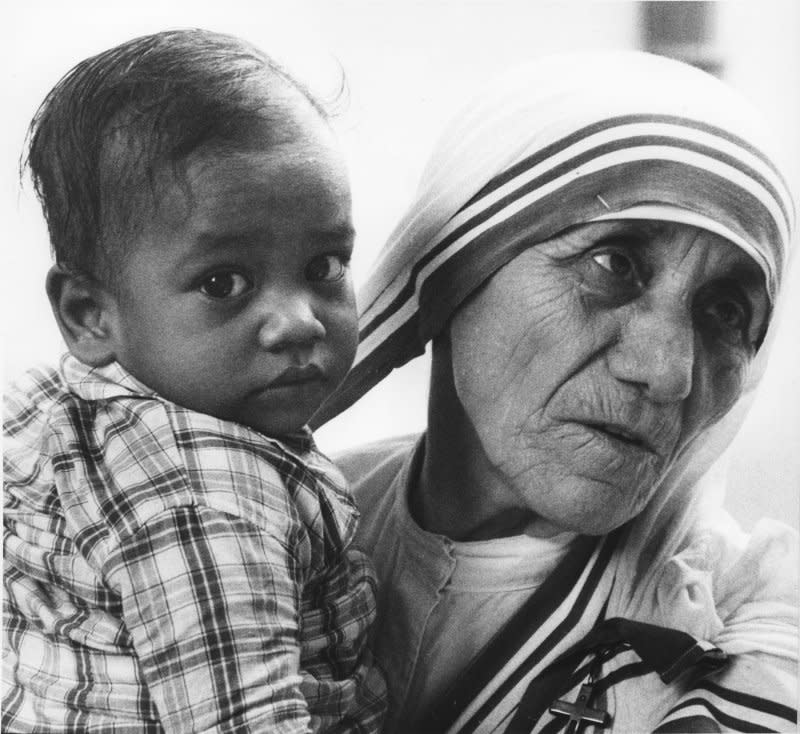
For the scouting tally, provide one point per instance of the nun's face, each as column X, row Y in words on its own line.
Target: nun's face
column 590, row 361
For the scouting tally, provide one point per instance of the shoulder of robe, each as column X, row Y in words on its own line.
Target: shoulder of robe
column 726, row 582
column 762, row 578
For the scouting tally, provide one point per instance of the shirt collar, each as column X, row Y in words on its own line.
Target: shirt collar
column 101, row 383
column 114, row 381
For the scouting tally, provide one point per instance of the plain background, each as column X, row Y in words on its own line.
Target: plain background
column 408, row 65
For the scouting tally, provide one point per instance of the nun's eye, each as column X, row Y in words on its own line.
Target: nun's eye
column 618, row 264
column 724, row 311
column 612, row 271
column 728, row 313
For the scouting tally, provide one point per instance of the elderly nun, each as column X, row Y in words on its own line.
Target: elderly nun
column 596, row 253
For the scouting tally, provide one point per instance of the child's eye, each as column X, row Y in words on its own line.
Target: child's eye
column 326, row 268
column 225, row 284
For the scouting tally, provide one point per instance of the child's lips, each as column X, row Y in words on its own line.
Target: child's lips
column 297, row 376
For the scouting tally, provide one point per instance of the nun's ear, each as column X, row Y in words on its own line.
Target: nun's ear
column 86, row 313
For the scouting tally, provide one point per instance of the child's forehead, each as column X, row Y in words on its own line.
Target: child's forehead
column 298, row 188
column 291, row 150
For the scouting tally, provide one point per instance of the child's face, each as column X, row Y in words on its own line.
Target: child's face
column 237, row 299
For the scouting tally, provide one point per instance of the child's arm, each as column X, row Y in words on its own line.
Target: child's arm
column 211, row 602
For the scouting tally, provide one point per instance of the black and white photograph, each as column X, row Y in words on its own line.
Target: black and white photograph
column 401, row 367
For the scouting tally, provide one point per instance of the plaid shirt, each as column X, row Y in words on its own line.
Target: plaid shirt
column 164, row 568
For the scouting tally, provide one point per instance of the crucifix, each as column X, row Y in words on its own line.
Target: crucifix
column 580, row 712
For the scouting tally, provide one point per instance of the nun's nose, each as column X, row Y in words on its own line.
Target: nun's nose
column 656, row 351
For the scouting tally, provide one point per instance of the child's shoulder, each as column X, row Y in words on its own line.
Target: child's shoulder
column 28, row 402
column 286, row 476
column 188, row 458
column 124, row 455
column 120, row 456
column 226, row 467
column 29, row 395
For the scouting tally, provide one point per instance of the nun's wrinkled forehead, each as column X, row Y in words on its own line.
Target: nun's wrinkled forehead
column 564, row 141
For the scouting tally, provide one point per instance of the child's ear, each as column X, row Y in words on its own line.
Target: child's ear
column 86, row 315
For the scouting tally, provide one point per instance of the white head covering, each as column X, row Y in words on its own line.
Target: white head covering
column 567, row 140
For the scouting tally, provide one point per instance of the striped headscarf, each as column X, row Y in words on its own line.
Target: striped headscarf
column 567, row 140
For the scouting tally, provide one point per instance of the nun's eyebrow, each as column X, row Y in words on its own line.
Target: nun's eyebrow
column 639, row 227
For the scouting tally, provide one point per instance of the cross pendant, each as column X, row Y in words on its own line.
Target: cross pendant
column 580, row 712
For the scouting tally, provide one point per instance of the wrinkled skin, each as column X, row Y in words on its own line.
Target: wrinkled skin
column 580, row 370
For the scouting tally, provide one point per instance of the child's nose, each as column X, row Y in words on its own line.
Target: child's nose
column 289, row 322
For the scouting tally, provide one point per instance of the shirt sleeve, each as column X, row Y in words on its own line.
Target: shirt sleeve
column 212, row 604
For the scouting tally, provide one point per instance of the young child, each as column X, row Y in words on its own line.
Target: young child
column 177, row 553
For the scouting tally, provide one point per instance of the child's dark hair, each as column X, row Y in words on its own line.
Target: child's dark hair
column 99, row 137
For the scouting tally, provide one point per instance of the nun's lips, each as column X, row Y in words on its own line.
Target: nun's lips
column 624, row 434
column 638, row 425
